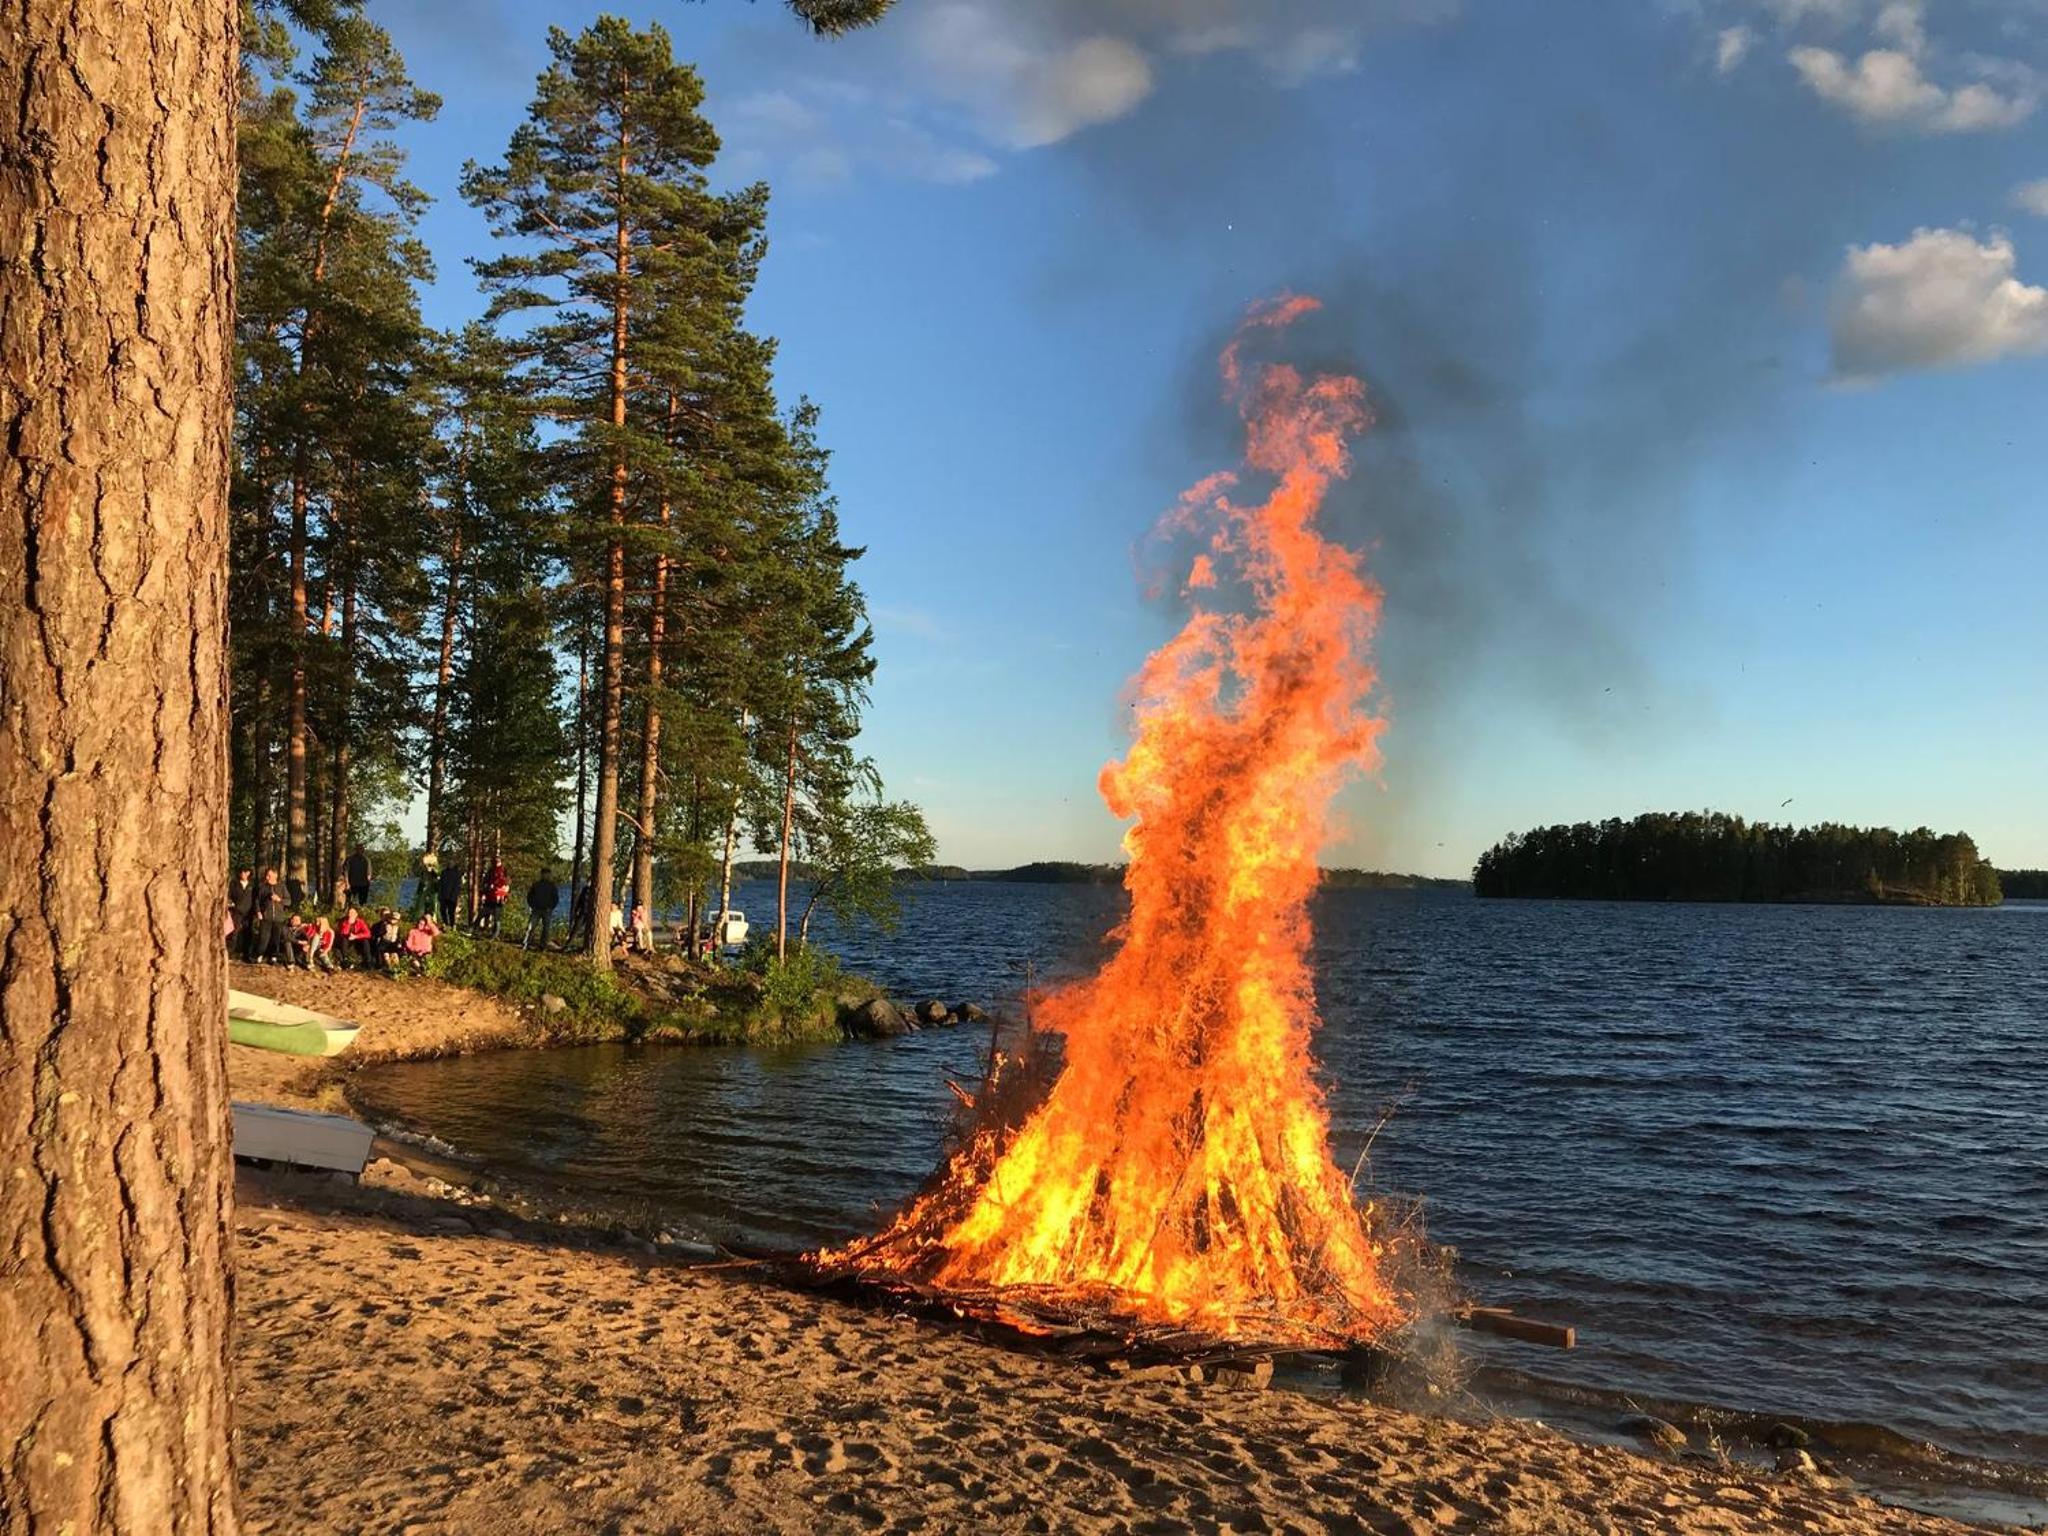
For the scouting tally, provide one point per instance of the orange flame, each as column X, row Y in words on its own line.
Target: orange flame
column 1179, row 1169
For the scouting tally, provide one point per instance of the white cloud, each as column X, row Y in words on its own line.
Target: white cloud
column 2032, row 197
column 1943, row 299
column 949, row 88
column 1885, row 88
column 1025, row 90
column 1902, row 23
column 1731, row 48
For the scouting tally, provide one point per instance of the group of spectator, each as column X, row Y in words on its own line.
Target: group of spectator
column 265, row 923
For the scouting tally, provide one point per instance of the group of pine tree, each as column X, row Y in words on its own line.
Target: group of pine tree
column 573, row 564
column 1711, row 856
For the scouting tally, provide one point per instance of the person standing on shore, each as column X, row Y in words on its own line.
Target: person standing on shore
column 582, row 913
column 451, row 893
column 242, row 901
column 541, row 898
column 359, row 874
column 497, row 887
column 269, row 924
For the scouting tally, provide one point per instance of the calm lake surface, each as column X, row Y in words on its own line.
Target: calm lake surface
column 1786, row 1159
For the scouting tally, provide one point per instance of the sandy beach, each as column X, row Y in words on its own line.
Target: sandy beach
column 413, row 1359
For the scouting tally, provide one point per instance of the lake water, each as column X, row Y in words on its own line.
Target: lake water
column 1786, row 1159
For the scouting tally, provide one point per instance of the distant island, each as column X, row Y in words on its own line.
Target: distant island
column 2024, row 884
column 1712, row 856
column 1066, row 872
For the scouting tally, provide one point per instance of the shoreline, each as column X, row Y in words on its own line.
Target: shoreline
column 514, row 1234
column 416, row 1362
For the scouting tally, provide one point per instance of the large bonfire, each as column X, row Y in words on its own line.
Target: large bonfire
column 1178, row 1170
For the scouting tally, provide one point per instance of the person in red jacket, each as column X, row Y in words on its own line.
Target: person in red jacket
column 497, row 887
column 355, row 938
column 322, row 950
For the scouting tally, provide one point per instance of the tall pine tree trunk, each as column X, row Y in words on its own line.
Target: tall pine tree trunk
column 295, row 819
column 115, row 371
column 732, row 838
column 337, row 842
column 259, row 770
column 582, row 764
column 444, row 682
column 782, row 868
column 604, row 840
column 650, row 743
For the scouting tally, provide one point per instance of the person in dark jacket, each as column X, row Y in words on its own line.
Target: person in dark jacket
column 582, row 913
column 451, row 893
column 270, row 942
column 356, row 870
column 541, row 897
column 242, row 898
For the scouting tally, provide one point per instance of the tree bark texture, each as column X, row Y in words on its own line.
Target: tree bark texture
column 117, row 194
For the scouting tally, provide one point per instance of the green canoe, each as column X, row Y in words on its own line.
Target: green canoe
column 274, row 1026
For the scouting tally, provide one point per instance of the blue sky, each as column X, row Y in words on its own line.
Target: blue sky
column 1709, row 340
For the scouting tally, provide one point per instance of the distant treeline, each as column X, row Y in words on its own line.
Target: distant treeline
column 1711, row 856
column 2024, row 884
column 1065, row 872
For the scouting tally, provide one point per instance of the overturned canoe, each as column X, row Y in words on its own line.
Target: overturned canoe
column 300, row 1138
column 275, row 1026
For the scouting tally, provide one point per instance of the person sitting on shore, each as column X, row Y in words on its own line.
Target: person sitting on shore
column 301, row 950
column 419, row 944
column 322, row 950
column 387, row 942
column 355, row 938
column 616, row 926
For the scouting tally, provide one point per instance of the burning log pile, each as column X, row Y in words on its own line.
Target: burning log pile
column 1168, row 1182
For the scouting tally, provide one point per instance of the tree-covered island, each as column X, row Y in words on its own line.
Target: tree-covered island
column 1712, row 856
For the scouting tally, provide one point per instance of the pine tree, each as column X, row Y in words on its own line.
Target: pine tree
column 603, row 190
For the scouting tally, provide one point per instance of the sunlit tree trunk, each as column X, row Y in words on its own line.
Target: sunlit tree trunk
column 117, row 193
column 582, row 764
column 444, row 687
column 788, row 831
column 732, row 838
column 295, row 819
column 604, row 839
column 337, row 842
column 650, row 746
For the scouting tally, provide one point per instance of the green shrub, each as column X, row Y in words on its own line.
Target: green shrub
column 799, row 985
column 599, row 1007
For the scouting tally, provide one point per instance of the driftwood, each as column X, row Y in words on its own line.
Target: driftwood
column 1506, row 1324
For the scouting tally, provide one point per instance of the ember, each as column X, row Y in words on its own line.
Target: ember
column 1178, row 1170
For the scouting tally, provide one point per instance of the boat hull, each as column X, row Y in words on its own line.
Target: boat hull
column 292, row 1039
column 274, row 1026
column 301, row 1138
